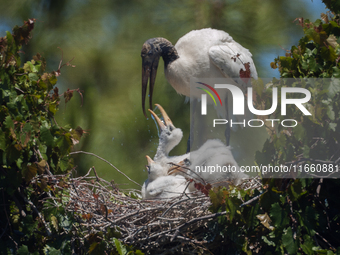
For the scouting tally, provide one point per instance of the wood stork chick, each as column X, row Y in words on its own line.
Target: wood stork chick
column 212, row 163
column 158, row 186
column 169, row 137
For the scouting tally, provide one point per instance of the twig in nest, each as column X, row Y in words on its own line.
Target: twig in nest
column 187, row 168
column 137, row 212
column 180, row 201
column 194, row 220
column 253, row 199
column 89, row 153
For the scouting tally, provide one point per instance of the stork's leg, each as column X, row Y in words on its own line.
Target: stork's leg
column 192, row 122
column 188, row 143
column 227, row 130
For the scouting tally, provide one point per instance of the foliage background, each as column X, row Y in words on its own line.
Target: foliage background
column 105, row 39
column 297, row 216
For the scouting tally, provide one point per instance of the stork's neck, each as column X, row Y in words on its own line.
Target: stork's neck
column 162, row 151
column 168, row 51
column 164, row 148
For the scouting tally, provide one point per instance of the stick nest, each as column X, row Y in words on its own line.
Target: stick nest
column 179, row 225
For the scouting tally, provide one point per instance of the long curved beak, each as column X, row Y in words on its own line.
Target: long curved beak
column 167, row 121
column 149, row 71
column 166, row 118
column 159, row 122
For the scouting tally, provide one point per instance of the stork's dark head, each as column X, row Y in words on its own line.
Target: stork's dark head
column 152, row 50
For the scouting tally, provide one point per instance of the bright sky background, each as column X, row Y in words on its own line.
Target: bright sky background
column 316, row 7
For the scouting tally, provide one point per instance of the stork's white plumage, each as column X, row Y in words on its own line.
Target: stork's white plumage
column 213, row 154
column 162, row 187
column 205, row 53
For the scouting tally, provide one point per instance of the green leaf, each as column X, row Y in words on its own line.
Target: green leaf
column 29, row 172
column 138, row 252
column 46, row 136
column 53, row 107
column 2, row 141
column 33, row 76
column 77, row 133
column 9, row 38
column 288, row 241
column 93, row 246
column 307, row 245
column 30, row 68
column 65, row 222
column 333, row 88
column 310, row 218
column 9, row 122
column 29, row 225
column 277, row 214
column 217, row 197
column 231, row 206
column 41, row 166
column 328, row 54
column 23, row 250
column 64, row 164
column 48, row 250
column 306, row 150
column 64, row 143
column 270, row 243
column 295, row 190
column 54, row 222
column 300, row 132
column 121, row 249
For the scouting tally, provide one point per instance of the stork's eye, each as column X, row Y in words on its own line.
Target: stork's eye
column 187, row 162
column 171, row 128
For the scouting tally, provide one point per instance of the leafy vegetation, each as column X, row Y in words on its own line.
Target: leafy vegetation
column 31, row 143
column 289, row 216
column 294, row 216
column 34, row 151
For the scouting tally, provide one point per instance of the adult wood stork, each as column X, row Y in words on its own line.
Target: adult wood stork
column 205, row 53
column 162, row 187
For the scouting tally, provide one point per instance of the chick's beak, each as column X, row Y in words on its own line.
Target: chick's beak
column 150, row 161
column 167, row 121
column 177, row 168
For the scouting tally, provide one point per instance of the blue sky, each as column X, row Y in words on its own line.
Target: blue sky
column 316, row 7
